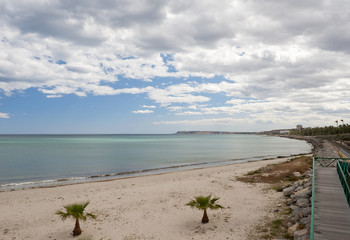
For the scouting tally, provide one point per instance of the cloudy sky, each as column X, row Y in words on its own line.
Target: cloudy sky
column 143, row 66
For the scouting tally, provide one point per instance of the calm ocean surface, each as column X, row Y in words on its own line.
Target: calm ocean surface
column 46, row 160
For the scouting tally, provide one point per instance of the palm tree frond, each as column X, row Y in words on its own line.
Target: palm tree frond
column 212, row 201
column 63, row 215
column 202, row 202
column 85, row 204
column 76, row 211
column 216, row 206
column 93, row 216
column 192, row 203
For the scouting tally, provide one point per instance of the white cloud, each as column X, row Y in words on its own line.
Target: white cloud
column 289, row 59
column 143, row 111
column 151, row 106
column 202, row 122
column 54, row 96
column 175, row 108
column 4, row 115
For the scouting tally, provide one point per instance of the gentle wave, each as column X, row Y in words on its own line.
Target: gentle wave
column 111, row 176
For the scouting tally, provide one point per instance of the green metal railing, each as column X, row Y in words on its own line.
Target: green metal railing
column 312, row 201
column 343, row 169
column 344, row 176
column 326, row 163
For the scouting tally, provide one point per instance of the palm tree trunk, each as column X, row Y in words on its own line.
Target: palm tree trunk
column 77, row 230
column 205, row 218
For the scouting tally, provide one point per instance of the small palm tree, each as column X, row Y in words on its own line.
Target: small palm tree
column 203, row 203
column 76, row 211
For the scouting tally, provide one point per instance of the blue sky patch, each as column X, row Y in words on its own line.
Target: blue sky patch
column 61, row 62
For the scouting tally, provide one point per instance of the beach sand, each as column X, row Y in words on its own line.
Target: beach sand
column 144, row 207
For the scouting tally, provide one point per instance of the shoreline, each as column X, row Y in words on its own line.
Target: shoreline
column 144, row 207
column 47, row 183
column 18, row 181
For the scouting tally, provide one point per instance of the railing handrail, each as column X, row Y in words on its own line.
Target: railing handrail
column 332, row 158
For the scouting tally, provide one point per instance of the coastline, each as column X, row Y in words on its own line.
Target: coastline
column 144, row 207
column 121, row 175
column 88, row 171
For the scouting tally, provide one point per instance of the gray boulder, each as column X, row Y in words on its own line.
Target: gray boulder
column 288, row 191
column 303, row 202
column 306, row 220
column 300, row 234
column 306, row 211
column 303, row 193
column 294, row 208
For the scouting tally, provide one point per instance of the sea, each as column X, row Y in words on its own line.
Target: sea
column 28, row 161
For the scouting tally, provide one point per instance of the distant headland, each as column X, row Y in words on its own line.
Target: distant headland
column 212, row 132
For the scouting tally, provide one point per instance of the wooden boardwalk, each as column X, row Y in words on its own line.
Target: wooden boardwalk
column 332, row 212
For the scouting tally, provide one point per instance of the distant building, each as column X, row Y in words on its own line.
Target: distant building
column 299, row 127
column 283, row 132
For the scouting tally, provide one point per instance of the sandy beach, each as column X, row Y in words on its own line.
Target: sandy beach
column 144, row 207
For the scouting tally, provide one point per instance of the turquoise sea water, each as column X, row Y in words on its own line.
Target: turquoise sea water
column 42, row 160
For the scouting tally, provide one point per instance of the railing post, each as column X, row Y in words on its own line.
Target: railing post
column 312, row 200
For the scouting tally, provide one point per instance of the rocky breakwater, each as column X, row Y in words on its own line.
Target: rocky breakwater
column 299, row 196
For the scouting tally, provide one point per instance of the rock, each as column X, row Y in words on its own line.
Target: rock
column 306, row 173
column 303, row 202
column 308, row 184
column 298, row 196
column 303, row 193
column 306, row 211
column 288, row 191
column 300, row 233
column 306, row 220
column 276, row 210
column 300, row 215
column 306, row 180
column 293, row 229
column 294, row 208
column 294, row 219
column 297, row 213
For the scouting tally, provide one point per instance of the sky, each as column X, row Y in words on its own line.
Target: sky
column 156, row 66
